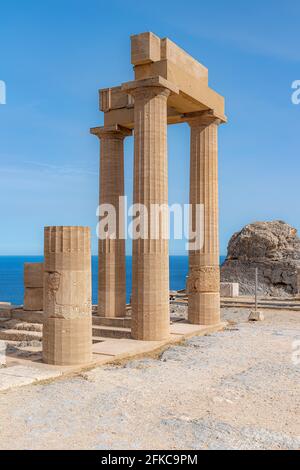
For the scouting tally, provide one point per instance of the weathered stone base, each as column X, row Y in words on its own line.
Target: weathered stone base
column 204, row 308
column 67, row 342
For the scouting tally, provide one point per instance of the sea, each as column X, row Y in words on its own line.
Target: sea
column 12, row 269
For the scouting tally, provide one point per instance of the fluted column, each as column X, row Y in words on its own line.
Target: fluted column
column 204, row 271
column 150, row 261
column 111, row 252
column 67, row 331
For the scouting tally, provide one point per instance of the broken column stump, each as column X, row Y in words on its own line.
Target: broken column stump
column 67, row 334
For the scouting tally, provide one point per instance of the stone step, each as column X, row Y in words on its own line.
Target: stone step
column 111, row 321
column 110, row 332
column 27, row 316
column 5, row 311
column 16, row 325
column 13, row 342
column 29, row 327
column 20, row 335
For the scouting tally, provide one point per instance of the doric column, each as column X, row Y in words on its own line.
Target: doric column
column 67, row 331
column 204, row 272
column 150, row 261
column 112, row 269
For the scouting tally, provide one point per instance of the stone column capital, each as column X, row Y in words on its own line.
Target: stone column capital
column 150, row 87
column 204, row 119
column 111, row 132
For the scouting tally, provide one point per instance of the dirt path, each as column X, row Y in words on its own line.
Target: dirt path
column 237, row 389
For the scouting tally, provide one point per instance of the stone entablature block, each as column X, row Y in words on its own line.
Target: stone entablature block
column 145, row 48
column 154, row 57
column 114, row 98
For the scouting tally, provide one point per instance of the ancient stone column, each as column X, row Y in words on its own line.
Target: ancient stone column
column 67, row 332
column 204, row 272
column 112, row 269
column 150, row 258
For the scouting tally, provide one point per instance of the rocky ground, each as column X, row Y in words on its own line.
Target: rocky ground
column 238, row 389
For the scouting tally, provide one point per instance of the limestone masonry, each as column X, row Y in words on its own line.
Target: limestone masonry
column 67, row 331
column 33, row 286
column 169, row 87
column 229, row 289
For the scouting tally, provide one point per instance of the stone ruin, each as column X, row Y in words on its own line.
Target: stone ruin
column 169, row 87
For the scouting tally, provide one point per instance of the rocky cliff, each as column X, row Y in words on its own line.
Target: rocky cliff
column 272, row 247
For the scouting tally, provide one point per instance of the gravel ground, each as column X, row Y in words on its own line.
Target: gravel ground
column 238, row 389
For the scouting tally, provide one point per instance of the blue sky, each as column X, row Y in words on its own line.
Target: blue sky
column 55, row 55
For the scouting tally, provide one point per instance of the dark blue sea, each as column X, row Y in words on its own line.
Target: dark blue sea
column 11, row 276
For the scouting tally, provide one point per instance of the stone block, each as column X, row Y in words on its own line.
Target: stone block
column 33, row 298
column 184, row 61
column 5, row 311
column 67, row 342
column 29, row 316
column 145, row 48
column 33, row 275
column 229, row 289
column 204, row 308
column 256, row 316
column 113, row 98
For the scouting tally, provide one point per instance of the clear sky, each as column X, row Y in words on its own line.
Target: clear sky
column 56, row 54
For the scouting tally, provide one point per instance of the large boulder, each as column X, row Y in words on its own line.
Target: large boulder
column 273, row 248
